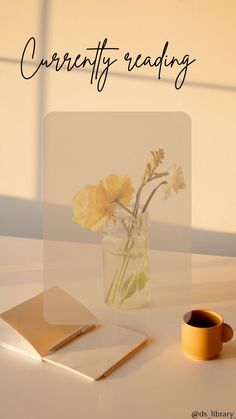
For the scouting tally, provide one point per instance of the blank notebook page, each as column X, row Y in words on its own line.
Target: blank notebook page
column 97, row 352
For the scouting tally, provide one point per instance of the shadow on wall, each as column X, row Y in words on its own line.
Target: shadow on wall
column 29, row 218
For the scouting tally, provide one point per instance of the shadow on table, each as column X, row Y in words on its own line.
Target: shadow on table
column 170, row 296
column 163, row 328
column 214, row 292
column 152, row 349
column 229, row 350
column 187, row 294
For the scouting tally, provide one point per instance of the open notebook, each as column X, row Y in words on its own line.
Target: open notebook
column 85, row 347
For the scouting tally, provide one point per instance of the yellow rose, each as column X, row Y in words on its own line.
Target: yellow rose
column 91, row 208
column 118, row 188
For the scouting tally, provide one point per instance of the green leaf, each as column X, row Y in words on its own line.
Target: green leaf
column 131, row 286
column 126, row 284
column 142, row 280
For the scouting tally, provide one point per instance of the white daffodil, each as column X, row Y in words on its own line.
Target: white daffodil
column 175, row 181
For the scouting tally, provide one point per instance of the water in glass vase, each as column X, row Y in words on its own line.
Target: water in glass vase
column 126, row 262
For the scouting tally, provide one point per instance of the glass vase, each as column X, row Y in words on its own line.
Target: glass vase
column 126, row 261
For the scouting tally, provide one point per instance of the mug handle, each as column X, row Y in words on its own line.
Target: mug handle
column 227, row 332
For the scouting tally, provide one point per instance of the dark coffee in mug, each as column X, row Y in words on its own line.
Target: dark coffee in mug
column 199, row 318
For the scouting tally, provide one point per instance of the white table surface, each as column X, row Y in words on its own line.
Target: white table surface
column 158, row 382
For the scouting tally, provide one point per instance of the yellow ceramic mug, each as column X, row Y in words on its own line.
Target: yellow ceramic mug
column 203, row 332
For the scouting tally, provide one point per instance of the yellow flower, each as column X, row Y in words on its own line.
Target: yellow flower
column 175, row 181
column 118, row 188
column 91, row 208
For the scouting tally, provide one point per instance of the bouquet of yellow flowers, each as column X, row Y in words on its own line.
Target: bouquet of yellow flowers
column 97, row 206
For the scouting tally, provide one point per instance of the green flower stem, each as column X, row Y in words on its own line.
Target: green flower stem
column 127, row 291
column 136, row 205
column 134, row 279
column 139, row 191
column 118, row 279
column 158, row 176
column 125, row 208
column 123, row 269
column 122, row 272
column 119, row 276
column 125, row 226
column 110, row 289
column 151, row 195
column 115, row 282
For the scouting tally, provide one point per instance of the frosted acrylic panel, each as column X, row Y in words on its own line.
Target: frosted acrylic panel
column 84, row 147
